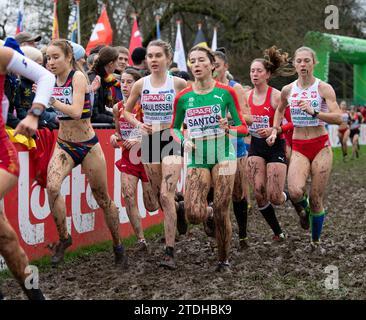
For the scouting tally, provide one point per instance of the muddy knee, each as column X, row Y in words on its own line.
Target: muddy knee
column 276, row 198
column 195, row 214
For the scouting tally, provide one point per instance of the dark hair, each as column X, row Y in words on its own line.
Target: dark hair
column 276, row 62
column 208, row 51
column 134, row 73
column 221, row 55
column 182, row 74
column 105, row 56
column 138, row 55
column 97, row 48
column 221, row 49
column 68, row 51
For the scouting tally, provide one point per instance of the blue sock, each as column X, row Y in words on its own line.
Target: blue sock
column 316, row 225
column 119, row 248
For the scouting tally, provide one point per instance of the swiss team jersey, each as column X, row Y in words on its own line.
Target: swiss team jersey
column 262, row 115
column 64, row 94
column 202, row 112
column 157, row 103
column 127, row 130
column 312, row 95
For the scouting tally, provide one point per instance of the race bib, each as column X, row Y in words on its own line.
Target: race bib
column 5, row 108
column 259, row 122
column 64, row 95
column 301, row 118
column 158, row 108
column 128, row 131
column 204, row 121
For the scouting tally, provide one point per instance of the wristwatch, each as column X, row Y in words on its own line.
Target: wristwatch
column 52, row 101
column 35, row 112
column 315, row 114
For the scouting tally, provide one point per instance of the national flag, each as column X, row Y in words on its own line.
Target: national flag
column 214, row 40
column 179, row 55
column 136, row 39
column 20, row 17
column 200, row 39
column 55, row 32
column 158, row 35
column 74, row 29
column 102, row 33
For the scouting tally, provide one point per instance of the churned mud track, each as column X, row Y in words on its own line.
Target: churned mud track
column 266, row 270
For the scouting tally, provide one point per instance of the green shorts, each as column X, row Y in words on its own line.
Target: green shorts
column 210, row 152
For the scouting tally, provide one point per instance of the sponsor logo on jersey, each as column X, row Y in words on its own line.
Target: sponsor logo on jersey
column 313, row 94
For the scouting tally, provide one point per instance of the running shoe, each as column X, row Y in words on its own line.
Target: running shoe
column 168, row 261
column 182, row 225
column 33, row 294
column 120, row 257
column 141, row 246
column 1, row 296
column 316, row 248
column 244, row 243
column 209, row 226
column 279, row 238
column 303, row 213
column 59, row 251
column 223, row 266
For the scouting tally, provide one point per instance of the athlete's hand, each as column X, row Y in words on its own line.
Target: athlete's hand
column 27, row 126
column 272, row 138
column 128, row 144
column 224, row 124
column 114, row 140
column 145, row 128
column 306, row 107
column 34, row 87
column 189, row 146
column 95, row 85
column 264, row 132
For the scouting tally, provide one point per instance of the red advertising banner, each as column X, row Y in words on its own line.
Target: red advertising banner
column 27, row 209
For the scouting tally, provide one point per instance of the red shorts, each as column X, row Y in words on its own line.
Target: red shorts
column 133, row 167
column 311, row 147
column 342, row 131
column 8, row 157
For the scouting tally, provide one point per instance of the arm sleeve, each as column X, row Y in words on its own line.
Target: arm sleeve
column 289, row 125
column 240, row 128
column 178, row 118
column 44, row 79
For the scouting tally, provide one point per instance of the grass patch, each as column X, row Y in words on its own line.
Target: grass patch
column 44, row 264
column 351, row 164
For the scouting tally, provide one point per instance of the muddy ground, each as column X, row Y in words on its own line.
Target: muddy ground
column 264, row 271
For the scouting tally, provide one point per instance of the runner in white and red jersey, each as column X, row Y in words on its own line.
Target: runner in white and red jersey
column 12, row 61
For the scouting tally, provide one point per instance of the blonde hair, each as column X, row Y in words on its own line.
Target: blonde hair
column 167, row 48
column 315, row 59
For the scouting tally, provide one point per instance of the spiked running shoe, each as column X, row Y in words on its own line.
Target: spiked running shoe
column 279, row 238
column 168, row 261
column 59, row 251
column 244, row 243
column 223, row 266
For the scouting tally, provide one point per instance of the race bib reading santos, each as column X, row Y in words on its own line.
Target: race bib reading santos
column 64, row 95
column 204, row 121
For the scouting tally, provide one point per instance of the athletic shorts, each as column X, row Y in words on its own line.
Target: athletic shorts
column 210, row 152
column 157, row 146
column 342, row 131
column 275, row 153
column 240, row 147
column 8, row 157
column 132, row 165
column 311, row 147
column 354, row 132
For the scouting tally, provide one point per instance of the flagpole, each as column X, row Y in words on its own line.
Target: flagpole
column 78, row 19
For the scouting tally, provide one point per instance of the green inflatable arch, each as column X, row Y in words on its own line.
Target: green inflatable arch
column 340, row 49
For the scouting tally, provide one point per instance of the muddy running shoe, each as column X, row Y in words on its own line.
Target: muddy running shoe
column 244, row 243
column 303, row 213
column 33, row 294
column 141, row 246
column 316, row 248
column 120, row 257
column 182, row 225
column 223, row 266
column 59, row 251
column 179, row 196
column 168, row 261
column 279, row 238
column 209, row 226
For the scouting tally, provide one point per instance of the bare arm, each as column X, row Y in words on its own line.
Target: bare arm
column 179, row 84
column 334, row 116
column 80, row 86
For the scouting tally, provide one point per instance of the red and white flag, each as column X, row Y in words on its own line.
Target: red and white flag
column 136, row 39
column 102, row 33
